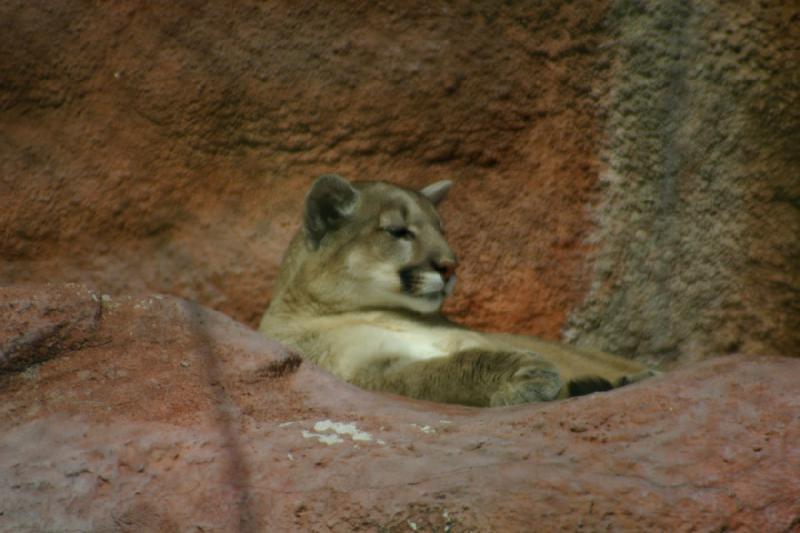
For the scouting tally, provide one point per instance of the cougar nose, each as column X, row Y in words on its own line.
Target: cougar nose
column 446, row 268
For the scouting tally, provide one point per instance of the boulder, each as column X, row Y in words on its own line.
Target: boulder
column 153, row 413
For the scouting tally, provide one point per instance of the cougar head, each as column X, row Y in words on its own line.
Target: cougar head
column 376, row 245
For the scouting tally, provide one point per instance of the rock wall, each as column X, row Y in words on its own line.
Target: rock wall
column 627, row 172
column 700, row 216
column 169, row 147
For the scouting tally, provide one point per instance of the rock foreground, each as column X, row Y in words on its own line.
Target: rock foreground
column 155, row 414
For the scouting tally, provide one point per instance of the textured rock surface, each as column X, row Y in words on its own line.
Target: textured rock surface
column 628, row 170
column 175, row 417
column 701, row 211
column 167, row 148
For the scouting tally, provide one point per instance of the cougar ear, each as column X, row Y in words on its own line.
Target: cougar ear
column 436, row 192
column 329, row 203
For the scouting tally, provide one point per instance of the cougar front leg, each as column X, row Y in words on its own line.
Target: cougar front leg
column 471, row 377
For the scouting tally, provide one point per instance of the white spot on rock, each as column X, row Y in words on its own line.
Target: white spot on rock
column 328, row 432
column 425, row 429
column 342, row 429
column 324, row 439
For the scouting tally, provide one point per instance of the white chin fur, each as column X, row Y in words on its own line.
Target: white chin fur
column 423, row 304
column 432, row 292
column 433, row 283
column 385, row 289
column 430, row 283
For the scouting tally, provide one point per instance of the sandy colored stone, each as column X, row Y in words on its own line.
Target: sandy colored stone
column 183, row 419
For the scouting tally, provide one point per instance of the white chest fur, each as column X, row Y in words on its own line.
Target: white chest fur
column 346, row 343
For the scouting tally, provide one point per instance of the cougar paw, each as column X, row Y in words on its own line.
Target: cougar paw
column 639, row 376
column 528, row 384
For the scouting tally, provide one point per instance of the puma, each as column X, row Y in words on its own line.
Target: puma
column 360, row 291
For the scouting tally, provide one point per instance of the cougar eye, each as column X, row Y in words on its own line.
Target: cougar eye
column 399, row 232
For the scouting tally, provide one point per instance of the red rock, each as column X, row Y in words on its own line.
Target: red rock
column 625, row 174
column 144, row 153
column 36, row 328
column 170, row 416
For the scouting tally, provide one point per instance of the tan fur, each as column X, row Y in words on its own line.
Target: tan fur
column 360, row 290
